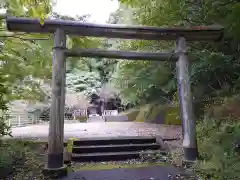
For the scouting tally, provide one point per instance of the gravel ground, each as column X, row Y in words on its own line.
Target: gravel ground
column 100, row 129
column 145, row 173
column 109, row 129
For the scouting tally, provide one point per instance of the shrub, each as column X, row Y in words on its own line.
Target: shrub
column 18, row 161
column 219, row 149
column 4, row 128
column 12, row 155
column 219, row 140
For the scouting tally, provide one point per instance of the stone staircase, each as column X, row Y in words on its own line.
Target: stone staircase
column 113, row 149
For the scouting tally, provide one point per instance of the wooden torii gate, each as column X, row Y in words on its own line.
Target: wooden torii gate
column 61, row 28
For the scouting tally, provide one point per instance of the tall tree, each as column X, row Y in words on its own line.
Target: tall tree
column 211, row 72
column 26, row 58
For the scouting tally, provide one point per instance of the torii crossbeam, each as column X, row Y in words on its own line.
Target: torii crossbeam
column 200, row 33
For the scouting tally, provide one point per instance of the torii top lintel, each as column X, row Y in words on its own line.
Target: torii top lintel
column 199, row 33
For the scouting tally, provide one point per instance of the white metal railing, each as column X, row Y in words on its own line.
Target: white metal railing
column 79, row 113
column 18, row 120
column 22, row 120
column 110, row 112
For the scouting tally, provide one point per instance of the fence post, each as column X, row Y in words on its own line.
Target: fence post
column 33, row 117
column 19, row 121
column 74, row 115
column 185, row 97
column 9, row 122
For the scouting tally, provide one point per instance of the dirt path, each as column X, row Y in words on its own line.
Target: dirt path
column 108, row 129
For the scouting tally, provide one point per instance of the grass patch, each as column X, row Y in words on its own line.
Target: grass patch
column 112, row 165
column 145, row 160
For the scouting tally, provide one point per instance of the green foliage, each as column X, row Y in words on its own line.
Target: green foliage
column 12, row 155
column 138, row 81
column 214, row 74
column 222, row 162
column 18, row 161
column 105, row 68
column 36, row 8
column 26, row 58
column 4, row 128
column 215, row 67
column 90, row 74
column 83, row 81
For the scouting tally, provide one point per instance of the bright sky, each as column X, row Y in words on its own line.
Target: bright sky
column 98, row 9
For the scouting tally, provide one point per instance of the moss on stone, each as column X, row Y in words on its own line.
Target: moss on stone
column 82, row 118
column 70, row 144
column 170, row 114
column 155, row 110
column 142, row 115
column 131, row 114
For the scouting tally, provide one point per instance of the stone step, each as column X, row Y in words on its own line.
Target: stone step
column 114, row 141
column 110, row 156
column 96, row 119
column 115, row 148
